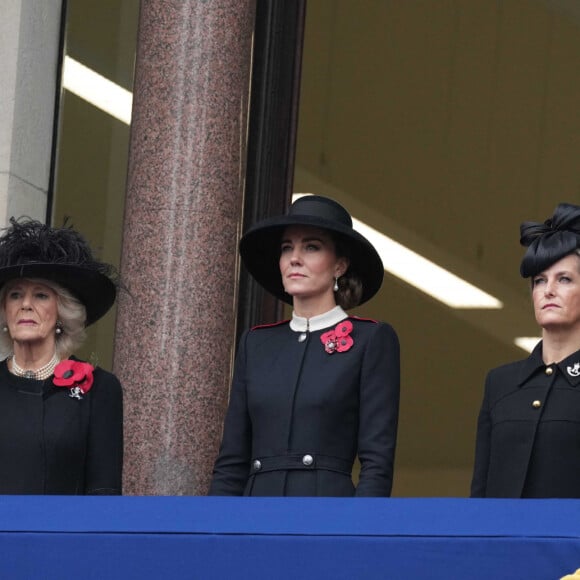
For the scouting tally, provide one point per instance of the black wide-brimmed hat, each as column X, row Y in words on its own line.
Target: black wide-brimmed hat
column 260, row 245
column 551, row 240
column 31, row 249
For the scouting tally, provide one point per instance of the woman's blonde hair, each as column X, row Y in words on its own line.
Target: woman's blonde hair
column 71, row 313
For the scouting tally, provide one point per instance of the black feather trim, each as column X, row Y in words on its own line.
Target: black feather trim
column 28, row 241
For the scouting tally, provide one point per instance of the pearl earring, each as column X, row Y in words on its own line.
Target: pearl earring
column 335, row 287
column 4, row 328
column 58, row 329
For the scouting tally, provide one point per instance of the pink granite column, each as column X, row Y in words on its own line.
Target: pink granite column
column 175, row 330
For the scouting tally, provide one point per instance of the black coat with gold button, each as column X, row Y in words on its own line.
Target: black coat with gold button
column 528, row 433
column 298, row 416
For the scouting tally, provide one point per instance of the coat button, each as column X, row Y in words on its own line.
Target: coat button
column 549, row 370
column 537, row 404
column 257, row 465
column 308, row 460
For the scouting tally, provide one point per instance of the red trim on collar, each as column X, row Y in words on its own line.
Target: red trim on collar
column 364, row 319
column 270, row 324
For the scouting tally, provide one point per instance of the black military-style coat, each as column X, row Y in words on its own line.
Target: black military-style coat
column 299, row 415
column 52, row 443
column 528, row 433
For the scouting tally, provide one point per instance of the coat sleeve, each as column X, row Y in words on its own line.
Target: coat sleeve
column 482, row 447
column 104, row 462
column 232, row 466
column 378, row 413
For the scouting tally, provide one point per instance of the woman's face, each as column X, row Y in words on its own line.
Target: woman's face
column 308, row 262
column 31, row 311
column 556, row 294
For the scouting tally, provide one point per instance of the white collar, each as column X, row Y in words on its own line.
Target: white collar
column 334, row 316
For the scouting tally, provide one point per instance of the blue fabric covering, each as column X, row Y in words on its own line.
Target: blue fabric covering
column 290, row 538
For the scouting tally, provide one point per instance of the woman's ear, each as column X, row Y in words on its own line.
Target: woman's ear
column 342, row 265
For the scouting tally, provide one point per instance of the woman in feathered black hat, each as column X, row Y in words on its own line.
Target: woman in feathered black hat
column 311, row 394
column 528, row 434
column 61, row 419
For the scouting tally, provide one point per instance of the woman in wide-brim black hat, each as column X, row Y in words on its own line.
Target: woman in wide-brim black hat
column 528, row 434
column 61, row 418
column 312, row 393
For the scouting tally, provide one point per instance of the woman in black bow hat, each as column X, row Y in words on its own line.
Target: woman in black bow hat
column 61, row 419
column 311, row 394
column 528, row 434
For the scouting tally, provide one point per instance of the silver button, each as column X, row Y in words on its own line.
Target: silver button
column 257, row 465
column 308, row 460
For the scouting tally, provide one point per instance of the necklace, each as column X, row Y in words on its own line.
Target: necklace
column 40, row 374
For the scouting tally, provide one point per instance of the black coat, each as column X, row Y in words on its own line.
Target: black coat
column 51, row 443
column 299, row 416
column 528, row 433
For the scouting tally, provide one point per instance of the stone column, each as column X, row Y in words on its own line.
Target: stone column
column 29, row 45
column 176, row 324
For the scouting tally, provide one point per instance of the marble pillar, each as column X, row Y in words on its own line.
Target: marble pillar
column 176, row 321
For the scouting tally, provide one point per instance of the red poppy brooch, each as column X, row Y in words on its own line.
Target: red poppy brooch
column 76, row 375
column 339, row 339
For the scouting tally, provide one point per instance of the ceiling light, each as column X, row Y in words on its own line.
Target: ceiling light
column 424, row 274
column 97, row 90
column 527, row 343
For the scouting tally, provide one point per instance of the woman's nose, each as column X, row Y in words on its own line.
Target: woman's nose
column 549, row 288
column 295, row 258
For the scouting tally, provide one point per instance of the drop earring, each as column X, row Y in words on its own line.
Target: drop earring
column 4, row 328
column 335, row 287
column 58, row 328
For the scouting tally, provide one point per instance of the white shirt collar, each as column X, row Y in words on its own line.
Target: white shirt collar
column 330, row 318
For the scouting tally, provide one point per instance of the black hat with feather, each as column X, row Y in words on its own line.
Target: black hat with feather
column 550, row 241
column 31, row 249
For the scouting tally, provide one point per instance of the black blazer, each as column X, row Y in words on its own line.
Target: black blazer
column 528, row 432
column 51, row 443
column 299, row 416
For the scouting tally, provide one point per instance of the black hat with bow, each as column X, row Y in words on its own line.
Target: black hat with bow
column 551, row 240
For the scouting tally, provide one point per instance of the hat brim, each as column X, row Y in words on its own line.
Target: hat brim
column 260, row 251
column 94, row 290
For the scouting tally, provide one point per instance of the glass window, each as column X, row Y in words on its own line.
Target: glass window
column 444, row 125
column 93, row 144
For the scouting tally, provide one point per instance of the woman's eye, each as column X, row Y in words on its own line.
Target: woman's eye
column 285, row 248
column 312, row 247
column 565, row 279
column 538, row 281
